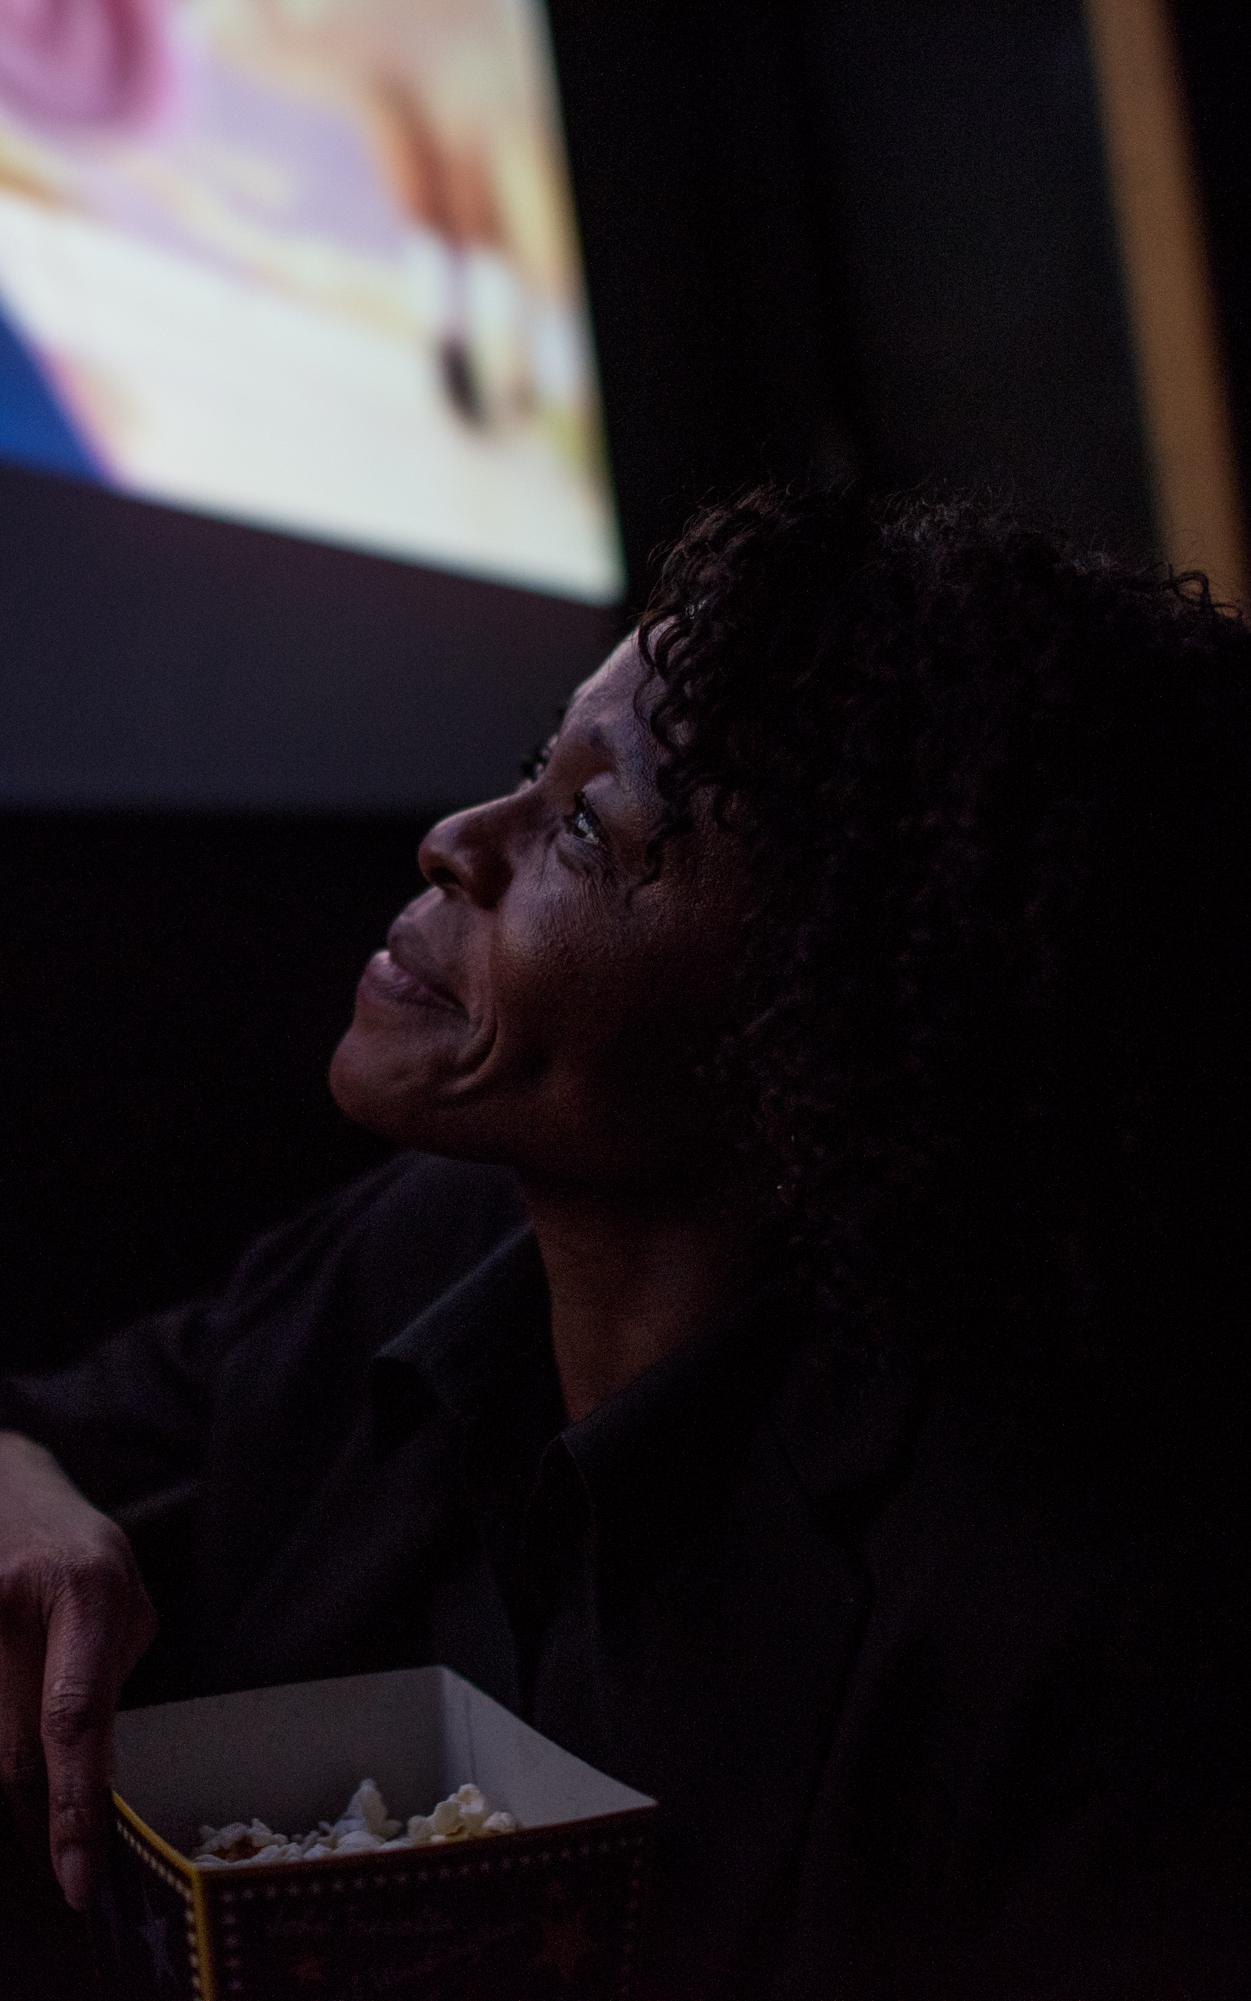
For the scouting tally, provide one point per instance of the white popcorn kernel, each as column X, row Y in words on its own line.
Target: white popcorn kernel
column 364, row 1826
column 368, row 1804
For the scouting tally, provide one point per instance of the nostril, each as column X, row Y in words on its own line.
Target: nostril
column 435, row 854
column 437, row 874
column 467, row 851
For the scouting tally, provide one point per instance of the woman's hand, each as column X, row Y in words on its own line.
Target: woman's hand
column 74, row 1619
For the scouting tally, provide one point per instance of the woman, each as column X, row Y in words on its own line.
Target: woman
column 827, row 1076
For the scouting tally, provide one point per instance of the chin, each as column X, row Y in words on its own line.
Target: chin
column 359, row 1092
column 369, row 1091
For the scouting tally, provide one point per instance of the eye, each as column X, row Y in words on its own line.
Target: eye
column 582, row 823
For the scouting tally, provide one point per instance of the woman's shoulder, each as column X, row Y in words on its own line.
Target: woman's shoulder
column 428, row 1219
column 381, row 1247
column 415, row 1188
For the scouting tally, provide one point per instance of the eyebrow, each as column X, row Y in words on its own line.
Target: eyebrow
column 628, row 765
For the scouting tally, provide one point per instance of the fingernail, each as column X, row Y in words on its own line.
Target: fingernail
column 77, row 1876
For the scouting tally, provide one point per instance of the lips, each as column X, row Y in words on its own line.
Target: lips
column 410, row 956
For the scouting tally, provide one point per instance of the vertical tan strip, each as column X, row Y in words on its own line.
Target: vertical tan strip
column 206, row 1986
column 1172, row 315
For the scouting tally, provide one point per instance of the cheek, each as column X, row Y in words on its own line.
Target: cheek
column 617, row 998
column 377, row 1071
column 556, row 984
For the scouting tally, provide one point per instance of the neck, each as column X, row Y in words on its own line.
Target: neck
column 629, row 1282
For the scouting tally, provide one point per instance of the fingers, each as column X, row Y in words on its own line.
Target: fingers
column 74, row 1619
column 83, row 1672
column 21, row 1752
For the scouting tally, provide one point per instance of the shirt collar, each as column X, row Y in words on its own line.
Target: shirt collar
column 485, row 1345
column 841, row 1414
column 470, row 1345
column 653, row 1452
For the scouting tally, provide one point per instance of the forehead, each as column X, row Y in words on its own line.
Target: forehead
column 607, row 697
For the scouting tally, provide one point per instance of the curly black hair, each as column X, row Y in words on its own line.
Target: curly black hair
column 986, row 1062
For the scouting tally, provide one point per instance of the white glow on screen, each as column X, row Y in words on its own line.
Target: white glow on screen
column 308, row 264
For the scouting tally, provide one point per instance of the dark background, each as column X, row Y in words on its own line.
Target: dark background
column 860, row 237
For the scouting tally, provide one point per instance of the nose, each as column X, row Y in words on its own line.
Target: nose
column 466, row 851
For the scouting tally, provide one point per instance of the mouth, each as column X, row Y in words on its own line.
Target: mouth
column 405, row 972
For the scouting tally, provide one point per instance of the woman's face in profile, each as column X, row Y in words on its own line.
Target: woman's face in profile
column 561, row 1041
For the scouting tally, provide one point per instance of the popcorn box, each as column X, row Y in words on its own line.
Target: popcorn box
column 549, row 1913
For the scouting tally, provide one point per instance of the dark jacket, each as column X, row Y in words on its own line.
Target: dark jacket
column 931, row 1711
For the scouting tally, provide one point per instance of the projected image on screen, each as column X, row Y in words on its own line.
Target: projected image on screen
column 309, row 264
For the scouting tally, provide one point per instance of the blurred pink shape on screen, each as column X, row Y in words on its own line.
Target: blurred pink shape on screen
column 88, row 62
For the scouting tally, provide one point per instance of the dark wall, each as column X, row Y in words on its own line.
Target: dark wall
column 696, row 143
column 981, row 269
column 865, row 236
column 861, row 237
column 171, row 991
